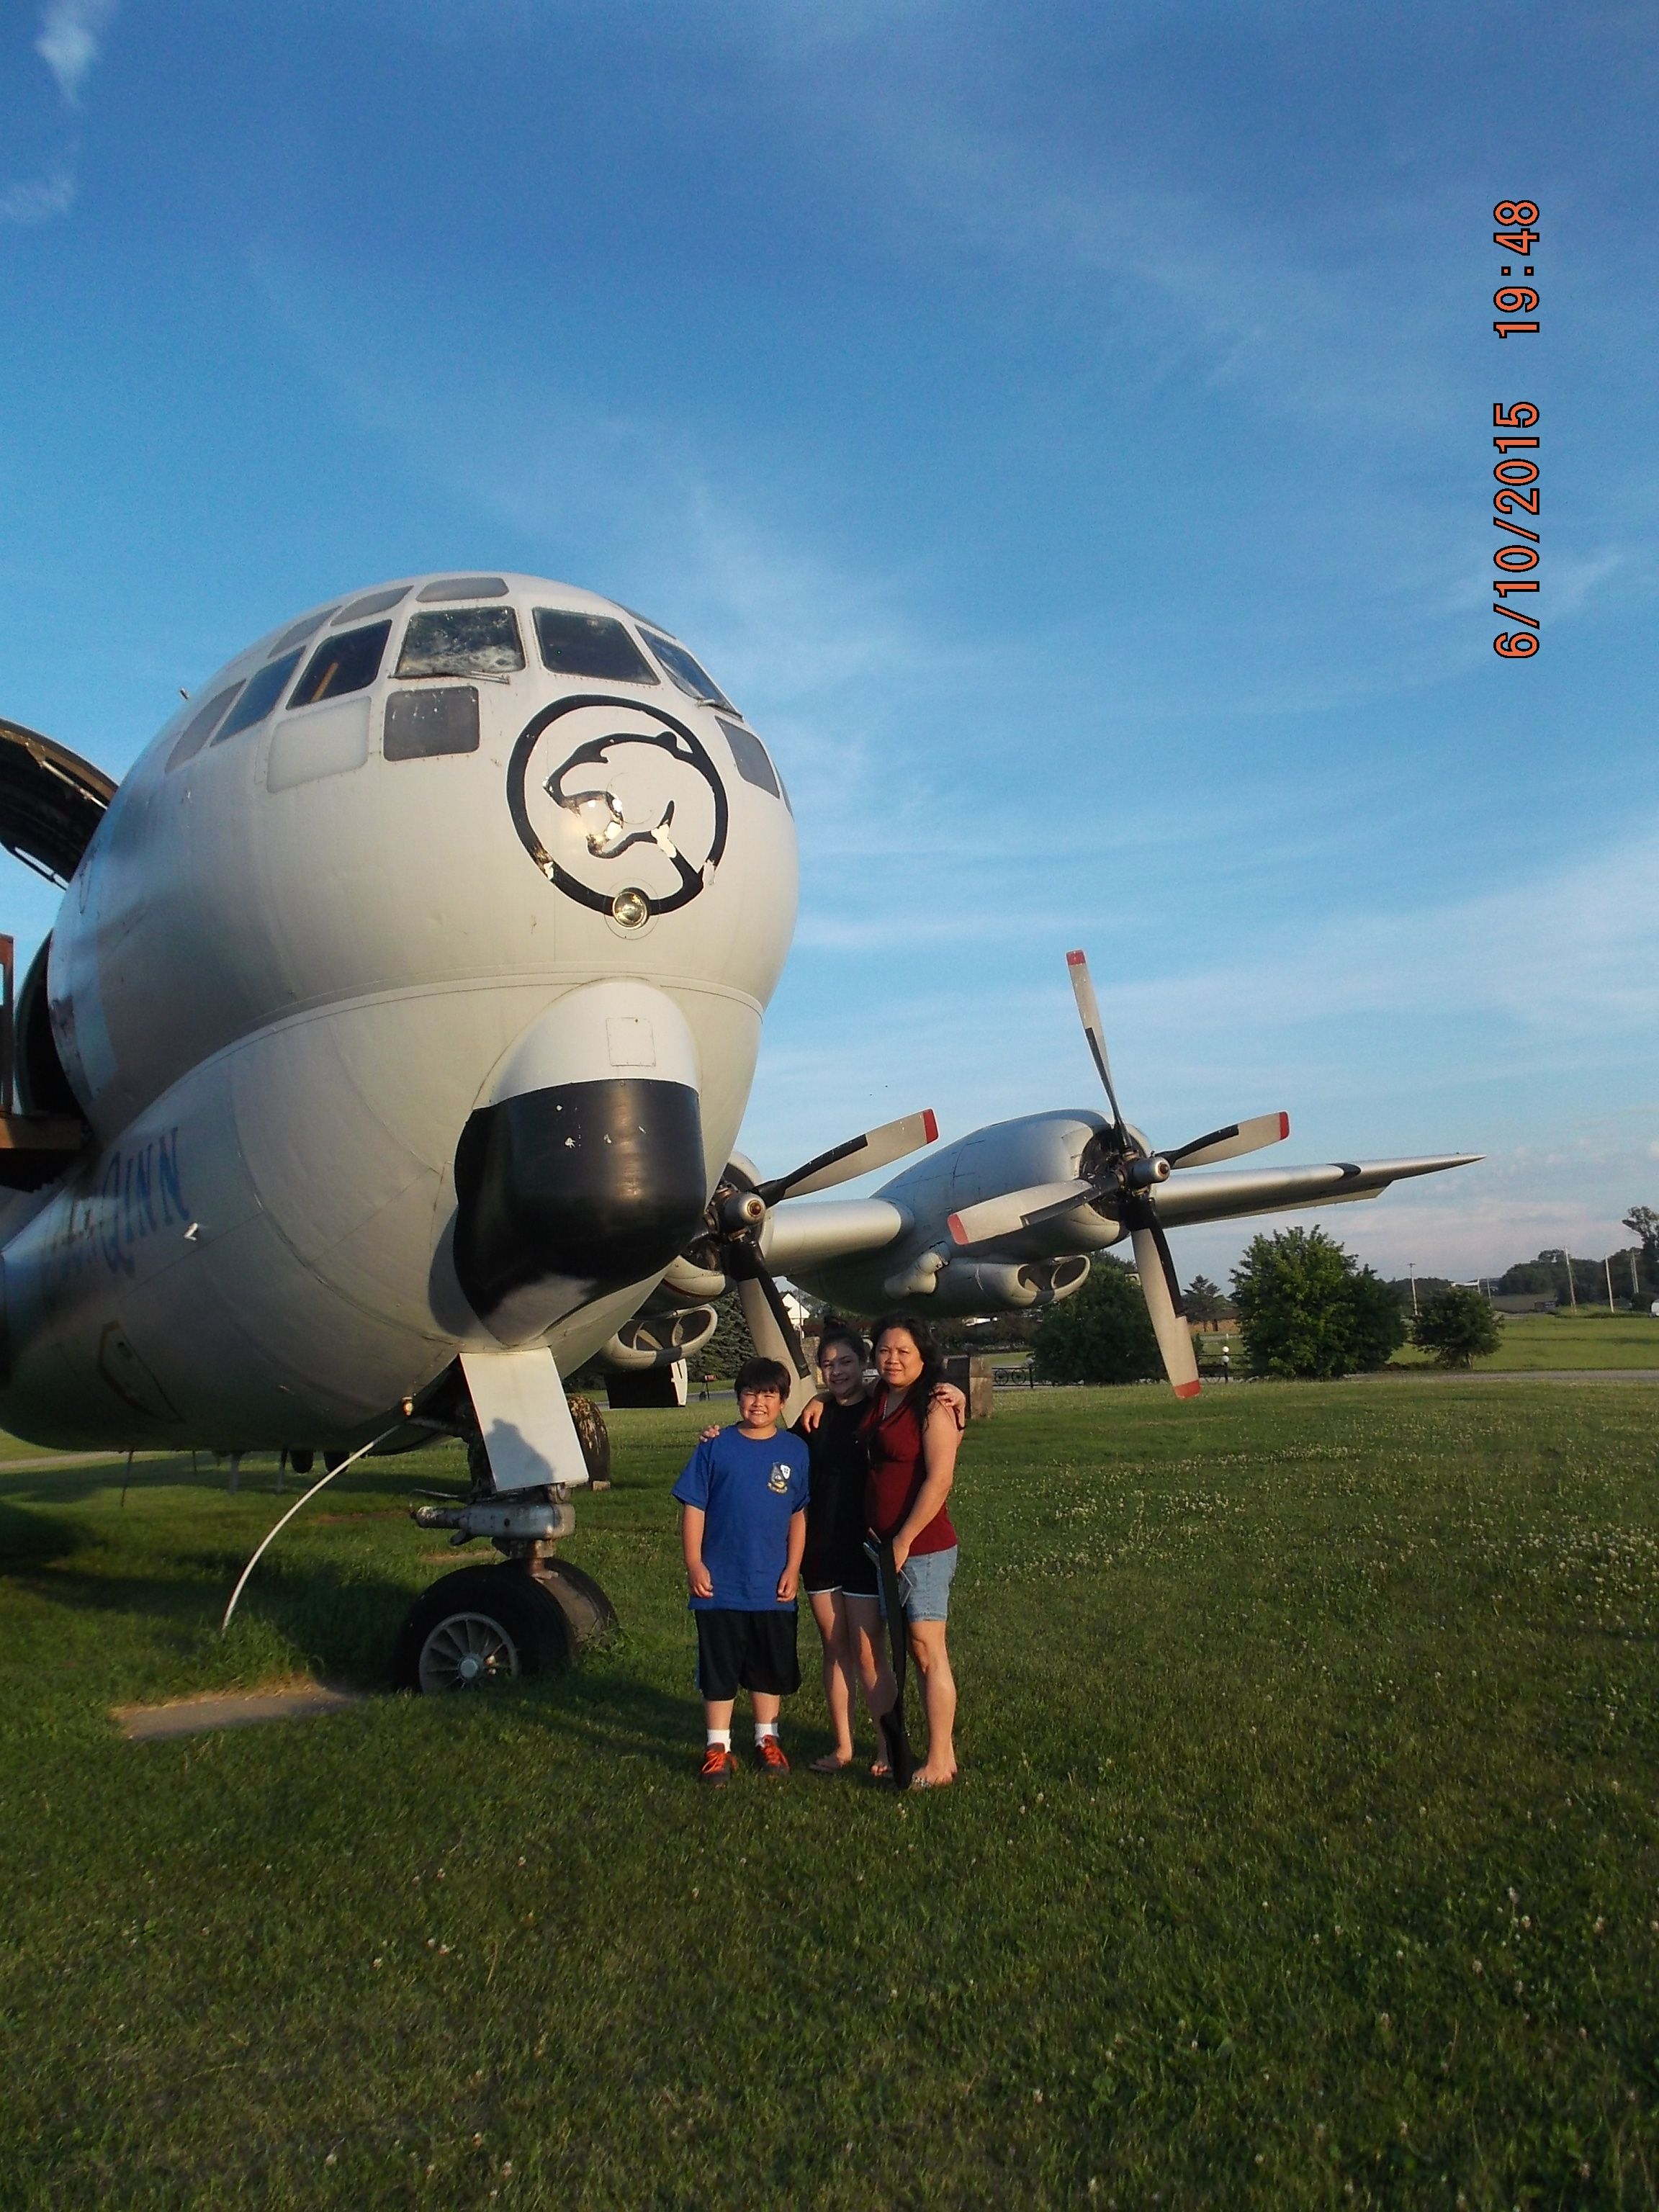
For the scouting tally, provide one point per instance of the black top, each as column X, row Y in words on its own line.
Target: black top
column 835, row 1511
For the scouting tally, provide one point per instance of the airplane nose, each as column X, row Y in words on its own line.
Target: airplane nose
column 581, row 1168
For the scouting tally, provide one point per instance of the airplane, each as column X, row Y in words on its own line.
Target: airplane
column 1011, row 1215
column 385, row 1061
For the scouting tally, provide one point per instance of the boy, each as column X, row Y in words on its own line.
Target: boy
column 743, row 1530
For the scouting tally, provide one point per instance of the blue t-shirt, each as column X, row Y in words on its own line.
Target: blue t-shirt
column 748, row 1490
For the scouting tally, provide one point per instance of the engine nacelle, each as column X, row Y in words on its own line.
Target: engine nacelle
column 658, row 1340
column 979, row 1287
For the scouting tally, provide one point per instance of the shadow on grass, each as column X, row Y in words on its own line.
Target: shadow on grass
column 76, row 1485
column 32, row 1540
column 597, row 1706
column 342, row 1625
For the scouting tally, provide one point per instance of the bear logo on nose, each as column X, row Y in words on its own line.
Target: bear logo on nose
column 586, row 790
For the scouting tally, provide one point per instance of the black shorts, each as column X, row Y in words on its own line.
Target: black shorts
column 850, row 1568
column 746, row 1651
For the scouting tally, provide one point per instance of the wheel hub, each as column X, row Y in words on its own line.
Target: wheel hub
column 467, row 1651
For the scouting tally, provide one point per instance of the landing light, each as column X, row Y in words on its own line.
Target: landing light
column 631, row 909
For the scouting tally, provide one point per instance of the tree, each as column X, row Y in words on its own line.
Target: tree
column 1646, row 1223
column 730, row 1344
column 1205, row 1300
column 1307, row 1308
column 1458, row 1327
column 1101, row 1333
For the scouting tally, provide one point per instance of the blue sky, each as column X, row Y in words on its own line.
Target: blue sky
column 1064, row 429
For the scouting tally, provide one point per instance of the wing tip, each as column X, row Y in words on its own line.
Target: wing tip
column 1284, row 1126
column 958, row 1234
column 1187, row 1389
column 1075, row 960
column 930, row 1124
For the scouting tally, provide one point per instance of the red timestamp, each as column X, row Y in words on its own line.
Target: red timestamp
column 1516, row 235
column 1517, row 558
column 1517, row 466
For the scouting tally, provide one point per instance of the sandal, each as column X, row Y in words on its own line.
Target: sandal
column 831, row 1765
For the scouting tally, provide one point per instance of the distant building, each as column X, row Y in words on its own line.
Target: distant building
column 1524, row 1302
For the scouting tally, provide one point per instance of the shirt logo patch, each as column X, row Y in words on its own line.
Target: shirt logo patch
column 779, row 1479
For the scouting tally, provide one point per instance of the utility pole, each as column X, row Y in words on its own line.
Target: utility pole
column 1607, row 1266
column 1410, row 1269
column 1572, row 1293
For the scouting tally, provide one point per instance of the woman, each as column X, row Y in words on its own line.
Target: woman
column 911, row 1431
column 836, row 1564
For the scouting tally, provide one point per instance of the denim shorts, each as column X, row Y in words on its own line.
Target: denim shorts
column 924, row 1585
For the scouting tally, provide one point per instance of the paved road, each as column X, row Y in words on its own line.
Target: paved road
column 78, row 1459
column 1519, row 1375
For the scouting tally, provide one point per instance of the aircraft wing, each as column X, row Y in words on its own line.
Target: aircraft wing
column 1195, row 1196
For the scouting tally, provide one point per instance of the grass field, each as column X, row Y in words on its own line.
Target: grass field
column 1304, row 1852
column 1588, row 1339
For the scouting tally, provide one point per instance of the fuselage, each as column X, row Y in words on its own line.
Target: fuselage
column 481, row 857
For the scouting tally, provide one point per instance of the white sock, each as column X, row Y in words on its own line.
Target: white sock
column 763, row 1728
column 721, row 1737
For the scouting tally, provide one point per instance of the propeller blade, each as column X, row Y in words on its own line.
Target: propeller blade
column 1088, row 1008
column 1227, row 1143
column 1161, row 1292
column 1017, row 1209
column 874, row 1149
column 775, row 1333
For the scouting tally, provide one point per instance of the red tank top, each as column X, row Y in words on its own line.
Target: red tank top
column 897, row 1474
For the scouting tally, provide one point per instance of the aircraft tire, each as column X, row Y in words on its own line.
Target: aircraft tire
column 481, row 1625
column 585, row 1605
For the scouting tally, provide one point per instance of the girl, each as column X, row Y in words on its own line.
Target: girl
column 836, row 1566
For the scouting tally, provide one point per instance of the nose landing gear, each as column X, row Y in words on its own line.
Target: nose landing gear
column 529, row 1616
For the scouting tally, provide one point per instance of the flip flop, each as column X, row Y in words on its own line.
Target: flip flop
column 927, row 1781
column 829, row 1765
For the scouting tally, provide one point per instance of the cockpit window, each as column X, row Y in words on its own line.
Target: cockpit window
column 200, row 726
column 376, row 602
column 463, row 641
column 465, row 587
column 695, row 682
column 751, row 755
column 263, row 692
column 590, row 645
column 350, row 662
column 301, row 631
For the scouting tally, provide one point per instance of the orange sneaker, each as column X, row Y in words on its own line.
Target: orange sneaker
column 718, row 1766
column 768, row 1756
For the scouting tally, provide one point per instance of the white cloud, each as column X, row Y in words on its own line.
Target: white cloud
column 69, row 42
column 41, row 199
column 69, row 39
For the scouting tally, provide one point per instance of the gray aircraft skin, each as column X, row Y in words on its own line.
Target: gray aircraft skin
column 388, row 1052
column 408, row 992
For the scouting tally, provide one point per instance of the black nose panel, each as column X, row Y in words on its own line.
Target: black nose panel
column 567, row 1193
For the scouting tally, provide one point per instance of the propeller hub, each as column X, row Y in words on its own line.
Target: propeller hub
column 741, row 1211
column 1141, row 1174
